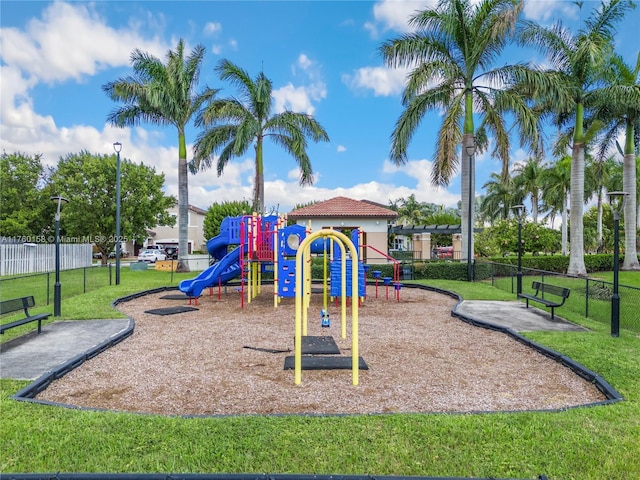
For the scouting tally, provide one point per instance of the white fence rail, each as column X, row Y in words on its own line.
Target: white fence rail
column 19, row 259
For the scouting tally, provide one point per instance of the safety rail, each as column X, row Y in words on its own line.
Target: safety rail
column 396, row 263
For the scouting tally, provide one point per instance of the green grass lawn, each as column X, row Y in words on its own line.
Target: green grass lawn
column 600, row 442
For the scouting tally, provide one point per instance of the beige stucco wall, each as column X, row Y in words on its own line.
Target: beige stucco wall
column 375, row 233
column 169, row 235
column 422, row 246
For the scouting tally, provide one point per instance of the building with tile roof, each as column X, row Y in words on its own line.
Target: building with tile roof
column 168, row 236
column 342, row 213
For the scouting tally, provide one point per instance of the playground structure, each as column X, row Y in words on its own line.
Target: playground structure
column 267, row 244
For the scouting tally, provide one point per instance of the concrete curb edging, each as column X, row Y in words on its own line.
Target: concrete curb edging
column 601, row 384
column 612, row 396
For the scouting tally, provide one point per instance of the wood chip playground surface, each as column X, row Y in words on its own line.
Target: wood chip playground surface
column 222, row 359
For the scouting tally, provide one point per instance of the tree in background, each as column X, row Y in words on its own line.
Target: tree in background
column 232, row 125
column 555, row 197
column 451, row 55
column 599, row 174
column 89, row 183
column 219, row 211
column 527, row 179
column 578, row 65
column 164, row 95
column 501, row 196
column 25, row 207
column 619, row 108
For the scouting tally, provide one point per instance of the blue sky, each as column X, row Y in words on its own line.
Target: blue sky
column 322, row 57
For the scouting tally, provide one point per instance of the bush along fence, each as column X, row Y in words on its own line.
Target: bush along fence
column 590, row 297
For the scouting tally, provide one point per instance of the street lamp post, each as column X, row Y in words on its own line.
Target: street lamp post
column 117, row 146
column 519, row 212
column 57, row 287
column 616, row 202
column 471, row 151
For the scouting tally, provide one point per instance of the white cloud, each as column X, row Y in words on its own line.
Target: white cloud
column 424, row 191
column 383, row 81
column 544, row 10
column 296, row 99
column 300, row 99
column 341, row 148
column 212, row 27
column 304, row 62
column 70, row 41
column 394, row 14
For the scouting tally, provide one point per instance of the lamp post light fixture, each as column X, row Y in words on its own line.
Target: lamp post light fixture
column 117, row 146
column 57, row 287
column 616, row 202
column 471, row 151
column 519, row 211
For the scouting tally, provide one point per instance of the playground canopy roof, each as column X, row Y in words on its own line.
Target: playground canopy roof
column 343, row 207
column 411, row 229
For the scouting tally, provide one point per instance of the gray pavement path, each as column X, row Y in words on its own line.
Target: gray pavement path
column 515, row 315
column 30, row 356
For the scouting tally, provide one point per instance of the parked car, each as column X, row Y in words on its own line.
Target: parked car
column 444, row 252
column 151, row 256
column 123, row 253
column 171, row 251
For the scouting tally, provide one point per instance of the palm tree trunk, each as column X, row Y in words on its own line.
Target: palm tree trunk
column 576, row 252
column 599, row 227
column 467, row 189
column 183, row 206
column 630, row 226
column 258, row 197
column 564, row 224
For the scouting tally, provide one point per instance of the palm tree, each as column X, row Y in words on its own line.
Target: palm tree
column 578, row 64
column 450, row 56
column 597, row 177
column 557, row 178
column 412, row 212
column 619, row 109
column 163, row 94
column 527, row 179
column 500, row 196
column 231, row 125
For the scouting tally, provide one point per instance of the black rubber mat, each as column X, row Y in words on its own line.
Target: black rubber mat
column 170, row 310
column 318, row 362
column 268, row 350
column 179, row 296
column 324, row 345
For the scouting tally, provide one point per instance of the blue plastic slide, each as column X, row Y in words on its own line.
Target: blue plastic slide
column 227, row 268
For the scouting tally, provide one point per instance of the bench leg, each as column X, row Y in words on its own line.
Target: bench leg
column 552, row 313
column 39, row 326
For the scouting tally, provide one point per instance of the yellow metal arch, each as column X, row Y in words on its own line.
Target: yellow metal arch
column 304, row 249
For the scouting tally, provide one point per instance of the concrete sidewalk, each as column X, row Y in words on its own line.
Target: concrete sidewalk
column 514, row 315
column 32, row 355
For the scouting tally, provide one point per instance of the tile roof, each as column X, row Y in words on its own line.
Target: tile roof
column 343, row 207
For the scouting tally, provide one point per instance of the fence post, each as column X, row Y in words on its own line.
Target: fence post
column 586, row 298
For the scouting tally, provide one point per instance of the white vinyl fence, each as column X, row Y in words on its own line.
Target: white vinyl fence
column 18, row 259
